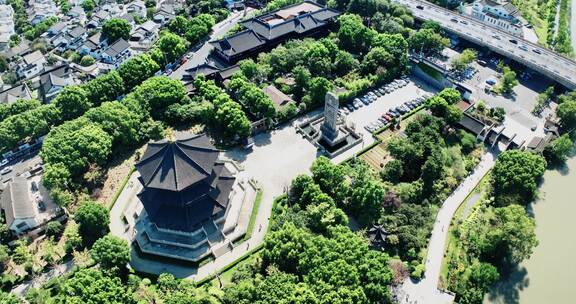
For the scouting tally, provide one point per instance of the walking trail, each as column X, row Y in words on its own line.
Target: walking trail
column 426, row 290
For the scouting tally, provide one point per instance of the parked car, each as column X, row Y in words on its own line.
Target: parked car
column 6, row 170
column 491, row 81
column 350, row 107
column 4, row 162
column 537, row 51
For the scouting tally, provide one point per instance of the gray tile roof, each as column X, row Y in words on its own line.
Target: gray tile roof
column 184, row 182
column 117, row 47
column 177, row 165
column 33, row 57
column 14, row 93
column 16, row 201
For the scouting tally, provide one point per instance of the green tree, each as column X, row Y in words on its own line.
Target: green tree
column 318, row 88
column 8, row 298
column 116, row 28
column 92, row 286
column 324, row 215
column 515, row 176
column 232, row 121
column 559, row 149
column 366, row 201
column 508, row 80
column 376, row 62
column 451, row 95
column 54, row 228
column 462, row 61
column 93, row 220
column 87, row 60
column 172, row 46
column 566, row 111
column 105, row 87
column 393, row 171
column 427, row 41
column 302, row 78
column 330, row 178
column 353, row 36
column 137, row 69
column 88, row 6
column 118, row 121
column 157, row 93
column 72, row 102
column 344, row 63
column 111, row 252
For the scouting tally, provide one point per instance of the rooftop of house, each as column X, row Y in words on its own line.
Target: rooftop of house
column 117, row 48
column 299, row 18
column 11, row 95
column 471, row 124
column 278, row 97
column 33, row 57
column 21, row 198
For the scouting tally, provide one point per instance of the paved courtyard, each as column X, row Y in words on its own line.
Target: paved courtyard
column 276, row 158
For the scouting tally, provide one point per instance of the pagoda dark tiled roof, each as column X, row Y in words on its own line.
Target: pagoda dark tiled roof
column 184, row 210
column 177, row 165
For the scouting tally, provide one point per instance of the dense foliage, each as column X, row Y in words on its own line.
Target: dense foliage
column 515, row 177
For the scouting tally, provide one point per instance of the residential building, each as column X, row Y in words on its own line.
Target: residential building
column 11, row 95
column 98, row 19
column 53, row 81
column 164, row 14
column 6, row 25
column 39, row 10
column 71, row 39
column 56, row 29
column 77, row 14
column 116, row 53
column 94, row 45
column 268, row 30
column 27, row 204
column 137, row 8
column 498, row 13
column 144, row 35
column 31, row 65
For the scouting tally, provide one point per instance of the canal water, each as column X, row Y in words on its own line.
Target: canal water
column 549, row 275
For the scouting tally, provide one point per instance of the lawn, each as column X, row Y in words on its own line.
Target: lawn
column 252, row 222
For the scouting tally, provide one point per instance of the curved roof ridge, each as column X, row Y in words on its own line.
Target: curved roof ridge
column 150, row 158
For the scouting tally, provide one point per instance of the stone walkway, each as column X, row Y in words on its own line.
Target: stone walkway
column 426, row 290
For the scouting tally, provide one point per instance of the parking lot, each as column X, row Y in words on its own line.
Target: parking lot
column 518, row 106
column 19, row 166
column 368, row 114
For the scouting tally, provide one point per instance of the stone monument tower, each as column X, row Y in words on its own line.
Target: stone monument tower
column 329, row 129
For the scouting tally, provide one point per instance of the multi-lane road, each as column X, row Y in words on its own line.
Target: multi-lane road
column 535, row 57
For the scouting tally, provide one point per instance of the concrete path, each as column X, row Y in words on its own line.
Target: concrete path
column 426, row 291
column 58, row 270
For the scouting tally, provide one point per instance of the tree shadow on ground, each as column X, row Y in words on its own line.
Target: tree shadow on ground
column 507, row 290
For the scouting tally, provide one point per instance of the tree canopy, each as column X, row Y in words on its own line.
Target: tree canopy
column 116, row 28
column 515, row 176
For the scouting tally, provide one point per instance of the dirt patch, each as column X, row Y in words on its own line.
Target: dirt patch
column 118, row 169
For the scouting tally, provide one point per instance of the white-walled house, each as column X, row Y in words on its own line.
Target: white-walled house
column 498, row 13
column 27, row 204
column 6, row 25
column 116, row 53
column 94, row 45
column 31, row 65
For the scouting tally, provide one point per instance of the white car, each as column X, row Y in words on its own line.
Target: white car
column 3, row 162
column 6, row 170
